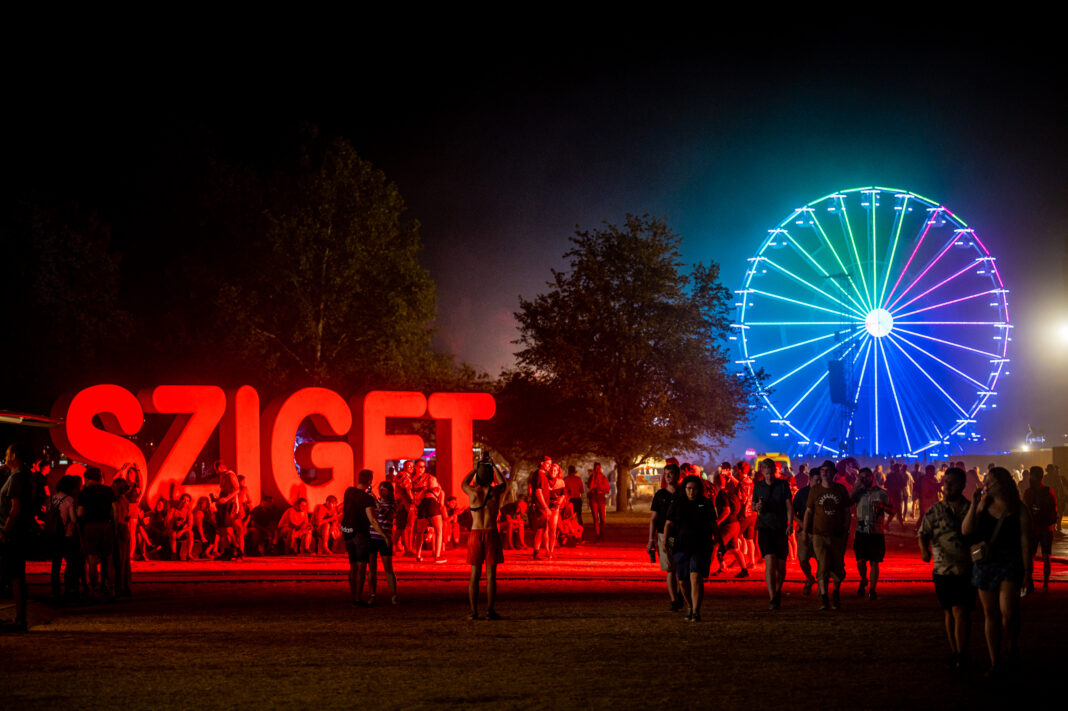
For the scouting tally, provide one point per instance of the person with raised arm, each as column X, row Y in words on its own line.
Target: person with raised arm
column 484, row 488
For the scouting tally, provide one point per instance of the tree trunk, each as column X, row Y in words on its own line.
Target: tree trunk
column 623, row 484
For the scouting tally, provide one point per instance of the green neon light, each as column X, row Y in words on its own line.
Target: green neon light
column 893, row 250
column 811, row 306
column 856, row 254
column 811, row 286
column 838, row 259
column 822, row 270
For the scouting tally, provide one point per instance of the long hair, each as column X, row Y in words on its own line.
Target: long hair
column 1009, row 493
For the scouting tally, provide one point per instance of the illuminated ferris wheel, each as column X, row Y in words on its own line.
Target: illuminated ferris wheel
column 875, row 322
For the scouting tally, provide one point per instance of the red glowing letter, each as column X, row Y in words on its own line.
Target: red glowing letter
column 331, row 416
column 454, row 413
column 118, row 410
column 239, row 437
column 199, row 408
column 370, row 443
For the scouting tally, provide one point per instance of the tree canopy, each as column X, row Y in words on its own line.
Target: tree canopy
column 332, row 293
column 637, row 344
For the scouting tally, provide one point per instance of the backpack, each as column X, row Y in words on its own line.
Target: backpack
column 53, row 527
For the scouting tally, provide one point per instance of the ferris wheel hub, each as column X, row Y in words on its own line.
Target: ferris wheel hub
column 879, row 322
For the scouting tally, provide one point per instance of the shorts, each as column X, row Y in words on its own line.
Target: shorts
column 429, row 508
column 98, row 539
column 667, row 561
column 224, row 516
column 990, row 576
column 749, row 527
column 381, row 547
column 537, row 518
column 870, row 547
column 698, row 562
column 359, row 548
column 772, row 543
column 830, row 556
column 954, row 591
column 484, row 546
column 727, row 533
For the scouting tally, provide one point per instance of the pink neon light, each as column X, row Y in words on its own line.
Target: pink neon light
column 947, row 303
column 916, row 298
column 952, row 241
column 915, row 249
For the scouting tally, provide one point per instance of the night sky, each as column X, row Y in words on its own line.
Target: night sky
column 502, row 147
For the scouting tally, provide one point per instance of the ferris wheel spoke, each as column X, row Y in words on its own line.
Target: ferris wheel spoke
column 805, row 303
column 807, row 393
column 936, row 358
column 845, row 272
column 813, row 360
column 946, row 303
column 814, row 288
column 800, row 343
column 897, row 403
column 900, row 220
column 820, row 268
column 904, row 270
column 926, row 416
column 948, row 279
column 934, row 382
column 949, row 323
column 938, row 258
column 844, row 216
column 860, row 381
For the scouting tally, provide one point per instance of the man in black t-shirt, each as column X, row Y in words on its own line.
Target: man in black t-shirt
column 96, row 511
column 775, row 514
column 659, row 508
column 356, row 521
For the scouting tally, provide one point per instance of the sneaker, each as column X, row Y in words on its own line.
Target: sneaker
column 743, row 573
column 861, row 588
column 472, row 616
column 677, row 605
column 492, row 615
column 439, row 559
column 836, row 601
column 824, row 602
column 872, row 595
column 696, row 617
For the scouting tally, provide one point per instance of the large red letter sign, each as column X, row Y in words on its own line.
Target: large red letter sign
column 370, row 443
column 120, row 412
column 330, row 415
column 199, row 408
column 454, row 413
column 239, row 437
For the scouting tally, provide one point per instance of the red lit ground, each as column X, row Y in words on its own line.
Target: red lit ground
column 590, row 629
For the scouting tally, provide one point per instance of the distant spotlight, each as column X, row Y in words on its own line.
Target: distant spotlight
column 1026, row 448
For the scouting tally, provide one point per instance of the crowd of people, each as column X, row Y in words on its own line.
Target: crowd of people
column 983, row 535
column 981, row 532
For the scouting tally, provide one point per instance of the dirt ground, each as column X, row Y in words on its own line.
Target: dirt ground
column 562, row 644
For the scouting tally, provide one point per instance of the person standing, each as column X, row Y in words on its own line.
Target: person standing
column 428, row 492
column 598, row 488
column 539, row 503
column 775, row 513
column 357, row 519
column 657, row 519
column 940, row 532
column 381, row 546
column 1041, row 504
column 827, row 519
column 228, row 514
column 804, row 540
column 690, row 533
column 97, row 507
column 484, row 488
column 18, row 505
column 869, row 544
column 575, row 490
column 999, row 520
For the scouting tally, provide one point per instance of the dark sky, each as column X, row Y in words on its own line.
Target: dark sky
column 503, row 146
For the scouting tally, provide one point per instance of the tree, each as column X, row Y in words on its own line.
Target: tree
column 638, row 344
column 332, row 292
